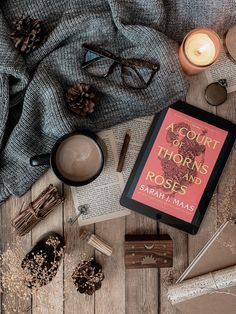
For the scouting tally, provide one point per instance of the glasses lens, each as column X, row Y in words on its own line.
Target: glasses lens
column 97, row 65
column 136, row 77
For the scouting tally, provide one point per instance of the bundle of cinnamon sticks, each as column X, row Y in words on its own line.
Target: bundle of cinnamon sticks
column 37, row 210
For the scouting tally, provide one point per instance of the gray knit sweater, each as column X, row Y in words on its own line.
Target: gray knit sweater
column 33, row 113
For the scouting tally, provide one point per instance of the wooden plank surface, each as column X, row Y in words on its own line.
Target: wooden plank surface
column 208, row 227
column 75, row 248
column 130, row 291
column 141, row 284
column 51, row 297
column 221, row 206
column 168, row 276
column 226, row 190
column 8, row 236
column 113, row 286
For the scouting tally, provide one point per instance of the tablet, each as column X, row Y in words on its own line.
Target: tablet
column 179, row 166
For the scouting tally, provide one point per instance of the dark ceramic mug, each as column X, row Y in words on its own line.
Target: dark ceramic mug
column 76, row 158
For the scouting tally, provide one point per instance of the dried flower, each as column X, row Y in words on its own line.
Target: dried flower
column 42, row 262
column 229, row 244
column 16, row 292
column 88, row 276
column 26, row 280
column 225, row 203
column 171, row 276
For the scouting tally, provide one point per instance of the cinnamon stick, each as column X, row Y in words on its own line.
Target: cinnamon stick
column 123, row 152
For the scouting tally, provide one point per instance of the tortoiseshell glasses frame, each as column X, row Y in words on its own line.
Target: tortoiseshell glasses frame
column 101, row 63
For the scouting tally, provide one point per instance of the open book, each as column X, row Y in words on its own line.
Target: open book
column 103, row 195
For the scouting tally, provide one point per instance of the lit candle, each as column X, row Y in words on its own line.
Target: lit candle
column 199, row 49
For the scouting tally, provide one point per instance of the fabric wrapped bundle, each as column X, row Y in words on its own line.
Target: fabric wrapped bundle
column 210, row 293
column 33, row 112
column 209, row 283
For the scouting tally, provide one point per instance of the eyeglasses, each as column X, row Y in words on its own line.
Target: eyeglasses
column 135, row 73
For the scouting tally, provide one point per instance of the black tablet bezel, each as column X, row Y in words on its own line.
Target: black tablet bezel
column 146, row 210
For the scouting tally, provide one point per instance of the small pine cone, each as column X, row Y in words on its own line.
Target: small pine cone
column 81, row 99
column 88, row 277
column 28, row 34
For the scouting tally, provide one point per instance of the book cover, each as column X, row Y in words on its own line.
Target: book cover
column 179, row 165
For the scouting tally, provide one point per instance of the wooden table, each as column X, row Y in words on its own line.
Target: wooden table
column 131, row 291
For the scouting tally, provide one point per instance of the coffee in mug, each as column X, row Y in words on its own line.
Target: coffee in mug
column 76, row 159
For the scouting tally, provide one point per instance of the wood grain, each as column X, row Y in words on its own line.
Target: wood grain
column 226, row 190
column 134, row 291
column 51, row 297
column 113, row 267
column 168, row 276
column 75, row 248
column 8, row 236
column 209, row 224
column 141, row 284
column 148, row 251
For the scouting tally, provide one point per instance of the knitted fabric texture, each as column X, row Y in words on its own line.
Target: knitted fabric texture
column 33, row 112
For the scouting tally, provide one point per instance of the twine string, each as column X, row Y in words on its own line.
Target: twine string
column 37, row 210
column 217, row 288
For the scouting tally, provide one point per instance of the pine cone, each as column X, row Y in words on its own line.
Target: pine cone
column 81, row 99
column 88, row 277
column 28, row 35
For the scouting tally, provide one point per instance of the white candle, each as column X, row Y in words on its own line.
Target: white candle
column 200, row 49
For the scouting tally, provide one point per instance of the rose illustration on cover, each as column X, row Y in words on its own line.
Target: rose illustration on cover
column 180, row 171
column 179, row 165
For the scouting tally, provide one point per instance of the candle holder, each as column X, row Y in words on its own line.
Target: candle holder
column 230, row 43
column 199, row 50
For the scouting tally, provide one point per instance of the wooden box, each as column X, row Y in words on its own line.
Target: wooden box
column 148, row 251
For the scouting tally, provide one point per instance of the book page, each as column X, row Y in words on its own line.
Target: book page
column 139, row 128
column 224, row 68
column 103, row 194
